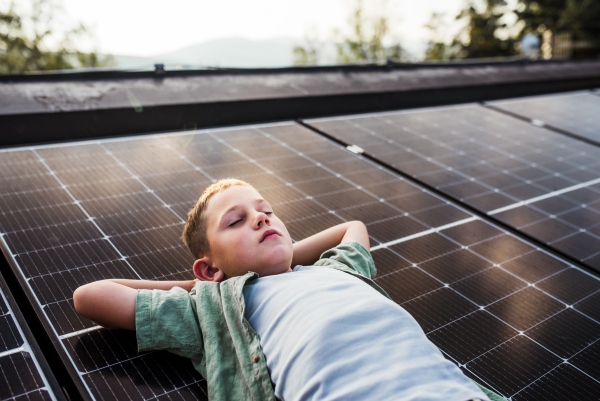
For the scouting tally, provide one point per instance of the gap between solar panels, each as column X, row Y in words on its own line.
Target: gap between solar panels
column 481, row 215
column 539, row 123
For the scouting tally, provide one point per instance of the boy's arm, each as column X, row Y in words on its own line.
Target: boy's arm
column 308, row 251
column 111, row 303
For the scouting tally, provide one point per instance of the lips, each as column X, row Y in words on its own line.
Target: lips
column 268, row 233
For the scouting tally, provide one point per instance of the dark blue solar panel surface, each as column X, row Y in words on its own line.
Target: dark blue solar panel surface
column 21, row 377
column 540, row 182
column 497, row 306
column 575, row 113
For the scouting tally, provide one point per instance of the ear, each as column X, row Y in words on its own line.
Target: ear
column 205, row 272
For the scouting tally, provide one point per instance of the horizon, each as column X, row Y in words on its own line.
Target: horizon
column 148, row 28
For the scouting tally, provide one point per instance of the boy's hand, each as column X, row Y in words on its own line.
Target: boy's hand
column 308, row 251
column 111, row 303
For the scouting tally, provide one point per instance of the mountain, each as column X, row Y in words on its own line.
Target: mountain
column 244, row 53
column 227, row 52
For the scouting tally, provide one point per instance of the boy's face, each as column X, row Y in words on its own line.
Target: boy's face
column 245, row 235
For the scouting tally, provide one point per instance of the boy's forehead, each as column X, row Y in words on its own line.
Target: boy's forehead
column 232, row 196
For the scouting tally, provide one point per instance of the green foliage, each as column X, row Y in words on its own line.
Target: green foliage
column 364, row 42
column 580, row 18
column 23, row 42
column 539, row 15
column 305, row 55
column 437, row 49
column 479, row 38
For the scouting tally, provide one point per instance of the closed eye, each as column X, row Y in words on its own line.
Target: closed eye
column 234, row 223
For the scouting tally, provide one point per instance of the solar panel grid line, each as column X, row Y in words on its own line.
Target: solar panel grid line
column 434, row 161
column 589, row 256
column 466, row 277
column 545, row 196
column 381, row 200
column 439, row 229
column 565, row 361
column 570, row 114
column 422, row 233
column 25, row 348
column 452, row 290
column 272, row 173
column 586, row 348
column 141, row 182
column 253, row 161
column 76, row 201
column 83, row 381
column 520, row 334
column 490, row 147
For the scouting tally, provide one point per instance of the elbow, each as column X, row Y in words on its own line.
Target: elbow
column 84, row 299
column 359, row 224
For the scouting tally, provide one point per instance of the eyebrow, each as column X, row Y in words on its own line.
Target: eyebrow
column 234, row 207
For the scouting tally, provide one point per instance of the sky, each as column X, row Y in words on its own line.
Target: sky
column 150, row 27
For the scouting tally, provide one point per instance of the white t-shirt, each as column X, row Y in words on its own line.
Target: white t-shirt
column 327, row 335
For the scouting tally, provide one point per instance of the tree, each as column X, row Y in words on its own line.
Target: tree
column 537, row 16
column 365, row 40
column 479, row 37
column 579, row 18
column 437, row 48
column 24, row 42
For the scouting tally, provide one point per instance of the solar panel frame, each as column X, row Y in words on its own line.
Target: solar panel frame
column 25, row 359
column 405, row 268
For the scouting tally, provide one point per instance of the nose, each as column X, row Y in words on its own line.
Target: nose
column 262, row 219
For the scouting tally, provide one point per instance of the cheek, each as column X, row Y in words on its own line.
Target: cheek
column 233, row 247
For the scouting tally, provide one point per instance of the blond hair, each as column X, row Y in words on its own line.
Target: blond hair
column 194, row 231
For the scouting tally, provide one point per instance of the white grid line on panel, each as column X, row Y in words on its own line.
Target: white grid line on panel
column 25, row 347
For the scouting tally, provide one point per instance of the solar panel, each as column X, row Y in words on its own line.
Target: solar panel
column 22, row 376
column 574, row 113
column 75, row 213
column 542, row 183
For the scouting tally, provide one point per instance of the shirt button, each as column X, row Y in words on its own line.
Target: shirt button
column 242, row 310
column 255, row 358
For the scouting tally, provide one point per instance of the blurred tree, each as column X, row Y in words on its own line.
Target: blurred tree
column 364, row 41
column 305, row 55
column 579, row 18
column 437, row 48
column 479, row 37
column 539, row 15
column 311, row 52
column 24, row 42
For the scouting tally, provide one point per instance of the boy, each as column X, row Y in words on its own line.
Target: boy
column 267, row 318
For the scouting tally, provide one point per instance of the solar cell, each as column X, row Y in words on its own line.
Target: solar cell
column 22, row 375
column 457, row 274
column 575, row 113
column 540, row 182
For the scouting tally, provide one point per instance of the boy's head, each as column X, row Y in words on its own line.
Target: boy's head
column 232, row 230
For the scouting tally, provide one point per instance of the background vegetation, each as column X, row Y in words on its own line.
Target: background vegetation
column 38, row 41
column 489, row 29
